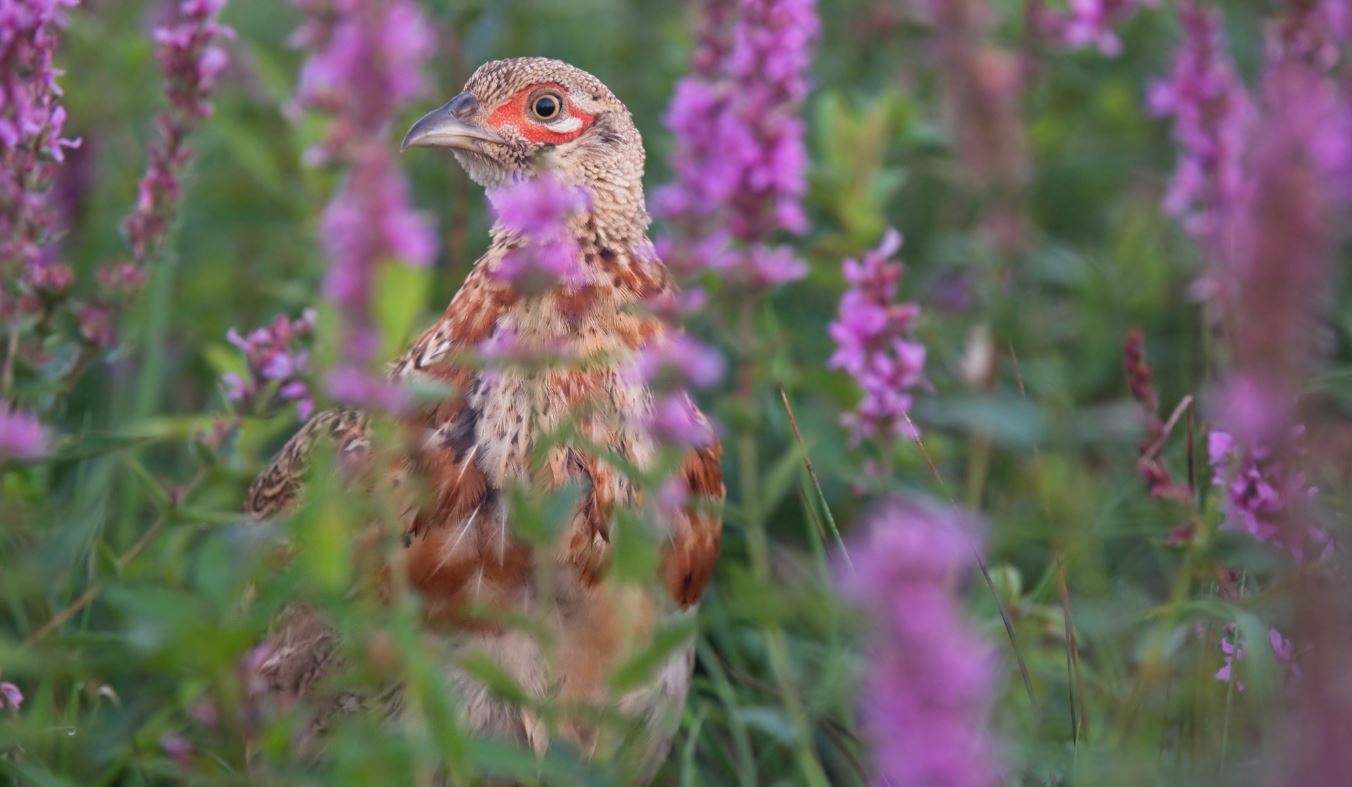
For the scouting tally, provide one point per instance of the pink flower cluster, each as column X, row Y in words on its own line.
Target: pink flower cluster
column 276, row 366
column 1085, row 23
column 1312, row 31
column 31, row 126
column 1264, row 498
column 873, row 335
column 670, row 368
column 191, row 58
column 930, row 683
column 537, row 212
column 366, row 60
column 740, row 160
column 1213, row 118
column 1233, row 654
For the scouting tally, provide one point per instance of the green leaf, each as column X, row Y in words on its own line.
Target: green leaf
column 781, row 477
column 1007, row 419
column 770, row 721
column 665, row 642
column 498, row 680
column 401, row 292
column 634, row 552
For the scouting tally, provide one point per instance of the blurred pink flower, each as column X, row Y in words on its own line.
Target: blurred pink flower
column 671, row 368
column 10, row 696
column 21, row 435
column 930, row 677
column 178, row 748
column 680, row 360
column 1212, row 118
column 674, row 420
column 366, row 60
column 545, row 253
column 1265, row 498
column 1084, row 23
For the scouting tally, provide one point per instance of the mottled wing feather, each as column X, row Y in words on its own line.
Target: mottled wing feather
column 275, row 490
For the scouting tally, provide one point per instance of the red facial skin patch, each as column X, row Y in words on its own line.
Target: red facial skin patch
column 514, row 113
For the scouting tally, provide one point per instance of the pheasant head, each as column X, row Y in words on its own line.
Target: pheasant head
column 526, row 117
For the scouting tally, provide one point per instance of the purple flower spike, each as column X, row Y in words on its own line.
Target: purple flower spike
column 740, row 160
column 32, row 120
column 366, row 60
column 191, row 58
column 1213, row 117
column 178, row 748
column 874, row 345
column 930, row 679
column 1232, row 653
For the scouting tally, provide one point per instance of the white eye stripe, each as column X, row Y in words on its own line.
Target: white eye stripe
column 566, row 126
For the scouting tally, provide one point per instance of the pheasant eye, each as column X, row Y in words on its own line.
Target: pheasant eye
column 546, row 106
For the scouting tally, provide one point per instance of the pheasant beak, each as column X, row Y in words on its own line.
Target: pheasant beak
column 448, row 126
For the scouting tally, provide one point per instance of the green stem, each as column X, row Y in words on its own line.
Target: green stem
column 758, row 550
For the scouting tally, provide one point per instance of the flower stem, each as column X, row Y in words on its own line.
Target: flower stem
column 759, row 552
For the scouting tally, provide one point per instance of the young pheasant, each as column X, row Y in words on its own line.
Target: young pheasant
column 517, row 120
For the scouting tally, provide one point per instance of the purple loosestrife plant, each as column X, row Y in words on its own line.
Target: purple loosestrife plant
column 875, row 345
column 366, row 60
column 740, row 161
column 191, row 57
column 32, row 120
column 930, row 682
column 275, row 366
column 1284, row 234
column 34, row 285
column 1212, row 120
column 982, row 91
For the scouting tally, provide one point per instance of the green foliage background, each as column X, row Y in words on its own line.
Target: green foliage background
column 1047, row 452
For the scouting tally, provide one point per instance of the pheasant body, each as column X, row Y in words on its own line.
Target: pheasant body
column 539, row 426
